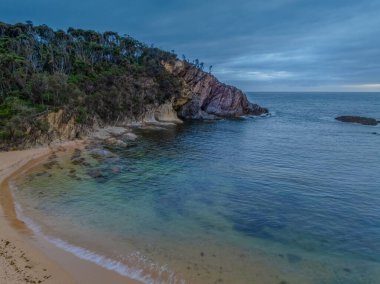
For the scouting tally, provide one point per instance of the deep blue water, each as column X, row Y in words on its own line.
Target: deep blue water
column 292, row 197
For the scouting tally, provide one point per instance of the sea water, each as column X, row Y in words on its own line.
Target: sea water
column 293, row 197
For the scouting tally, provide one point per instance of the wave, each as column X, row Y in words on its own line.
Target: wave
column 269, row 114
column 103, row 261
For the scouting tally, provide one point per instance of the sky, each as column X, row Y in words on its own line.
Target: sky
column 256, row 45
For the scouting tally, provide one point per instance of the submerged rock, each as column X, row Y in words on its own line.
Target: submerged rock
column 78, row 161
column 116, row 170
column 43, row 174
column 293, row 258
column 101, row 154
column 357, row 119
column 77, row 153
column 49, row 165
column 95, row 174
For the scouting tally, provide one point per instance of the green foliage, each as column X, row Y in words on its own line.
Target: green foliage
column 12, row 106
column 84, row 72
column 5, row 112
column 4, row 135
column 81, row 116
column 43, row 126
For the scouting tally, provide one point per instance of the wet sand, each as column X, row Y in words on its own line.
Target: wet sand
column 29, row 258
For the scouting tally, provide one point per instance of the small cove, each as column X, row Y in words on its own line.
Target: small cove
column 290, row 198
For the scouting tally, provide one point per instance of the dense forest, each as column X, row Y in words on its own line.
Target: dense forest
column 86, row 73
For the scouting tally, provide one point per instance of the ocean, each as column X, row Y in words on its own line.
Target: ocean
column 293, row 197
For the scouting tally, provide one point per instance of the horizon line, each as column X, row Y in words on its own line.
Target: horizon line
column 353, row 92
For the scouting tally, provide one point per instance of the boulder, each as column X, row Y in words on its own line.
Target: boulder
column 129, row 136
column 116, row 142
column 357, row 119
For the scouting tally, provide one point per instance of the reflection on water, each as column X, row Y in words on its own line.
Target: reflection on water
column 291, row 198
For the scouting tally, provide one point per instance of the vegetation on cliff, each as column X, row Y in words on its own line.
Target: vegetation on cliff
column 57, row 85
column 85, row 73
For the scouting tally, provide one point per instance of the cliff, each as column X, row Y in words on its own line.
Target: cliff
column 204, row 97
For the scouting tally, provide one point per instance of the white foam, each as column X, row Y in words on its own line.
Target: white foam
column 105, row 262
column 251, row 116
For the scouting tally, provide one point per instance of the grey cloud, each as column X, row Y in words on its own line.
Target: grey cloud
column 256, row 45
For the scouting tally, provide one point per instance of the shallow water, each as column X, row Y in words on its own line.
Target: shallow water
column 290, row 198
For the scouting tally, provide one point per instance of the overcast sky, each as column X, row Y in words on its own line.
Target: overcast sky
column 257, row 45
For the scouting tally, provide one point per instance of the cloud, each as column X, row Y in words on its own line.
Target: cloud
column 364, row 87
column 254, row 75
column 254, row 44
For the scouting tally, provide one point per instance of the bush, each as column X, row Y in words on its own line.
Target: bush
column 43, row 126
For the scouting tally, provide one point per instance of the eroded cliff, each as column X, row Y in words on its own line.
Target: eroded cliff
column 204, row 97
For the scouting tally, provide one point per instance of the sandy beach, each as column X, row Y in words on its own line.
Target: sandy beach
column 26, row 257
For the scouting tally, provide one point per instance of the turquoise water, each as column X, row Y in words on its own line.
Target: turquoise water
column 289, row 198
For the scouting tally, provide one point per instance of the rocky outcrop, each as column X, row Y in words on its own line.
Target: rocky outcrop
column 358, row 119
column 161, row 114
column 54, row 126
column 61, row 127
column 204, row 97
column 117, row 136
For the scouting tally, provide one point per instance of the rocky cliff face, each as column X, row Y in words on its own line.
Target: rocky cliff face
column 59, row 127
column 204, row 97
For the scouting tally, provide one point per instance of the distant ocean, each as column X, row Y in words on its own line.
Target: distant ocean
column 289, row 198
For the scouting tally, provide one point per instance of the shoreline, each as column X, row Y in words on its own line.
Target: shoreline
column 26, row 257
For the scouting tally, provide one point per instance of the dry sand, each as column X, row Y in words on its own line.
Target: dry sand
column 27, row 258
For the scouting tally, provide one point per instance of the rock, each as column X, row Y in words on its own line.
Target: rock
column 121, row 143
column 116, row 170
column 78, row 161
column 49, row 165
column 116, row 142
column 204, row 97
column 116, row 131
column 77, row 153
column 114, row 136
column 76, row 158
column 357, row 119
column 111, row 141
column 95, row 174
column 101, row 153
column 129, row 136
column 108, row 132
